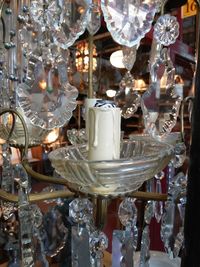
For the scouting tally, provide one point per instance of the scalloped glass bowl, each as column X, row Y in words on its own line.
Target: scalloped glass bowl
column 139, row 161
column 36, row 134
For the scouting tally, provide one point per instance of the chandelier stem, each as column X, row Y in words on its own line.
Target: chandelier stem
column 90, row 72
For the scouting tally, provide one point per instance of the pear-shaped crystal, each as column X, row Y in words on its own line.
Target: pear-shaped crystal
column 94, row 19
column 129, row 56
column 81, row 210
column 127, row 212
column 127, row 98
column 128, row 21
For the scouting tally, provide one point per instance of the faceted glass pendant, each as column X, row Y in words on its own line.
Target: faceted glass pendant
column 128, row 21
column 127, row 98
column 160, row 104
column 166, row 30
column 46, row 97
column 94, row 19
column 129, row 56
column 69, row 21
column 127, row 212
column 81, row 210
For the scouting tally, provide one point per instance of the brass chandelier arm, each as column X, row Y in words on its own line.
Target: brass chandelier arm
column 149, row 196
column 26, row 137
column 36, row 196
column 42, row 177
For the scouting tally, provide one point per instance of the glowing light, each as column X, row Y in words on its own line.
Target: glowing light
column 116, row 59
column 43, row 84
column 111, row 93
column 82, row 57
column 52, row 136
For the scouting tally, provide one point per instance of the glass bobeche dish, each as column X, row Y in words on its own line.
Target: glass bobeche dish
column 139, row 161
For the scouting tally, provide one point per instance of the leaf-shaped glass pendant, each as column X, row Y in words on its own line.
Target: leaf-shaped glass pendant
column 160, row 104
column 94, row 19
column 128, row 21
column 70, row 22
column 46, row 97
column 129, row 56
column 127, row 98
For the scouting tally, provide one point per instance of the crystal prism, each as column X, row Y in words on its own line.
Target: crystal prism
column 129, row 56
column 160, row 104
column 127, row 98
column 166, row 30
column 81, row 210
column 46, row 97
column 70, row 22
column 127, row 212
column 94, row 19
column 128, row 21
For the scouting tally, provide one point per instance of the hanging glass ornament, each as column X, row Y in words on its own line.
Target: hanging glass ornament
column 46, row 97
column 128, row 98
column 94, row 18
column 128, row 21
column 166, row 30
column 160, row 104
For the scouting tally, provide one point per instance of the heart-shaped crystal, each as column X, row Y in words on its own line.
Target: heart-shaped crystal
column 128, row 21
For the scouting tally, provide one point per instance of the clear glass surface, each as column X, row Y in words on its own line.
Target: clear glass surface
column 166, row 30
column 127, row 98
column 46, row 97
column 36, row 134
column 70, row 22
column 139, row 161
column 128, row 21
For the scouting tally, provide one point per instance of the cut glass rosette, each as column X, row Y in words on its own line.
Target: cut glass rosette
column 139, row 161
column 166, row 30
column 128, row 21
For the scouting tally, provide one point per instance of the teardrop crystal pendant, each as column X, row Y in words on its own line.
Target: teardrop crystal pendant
column 94, row 18
column 127, row 98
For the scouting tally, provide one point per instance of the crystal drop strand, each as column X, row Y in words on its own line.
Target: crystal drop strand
column 81, row 212
column 124, row 243
column 25, row 219
column 158, row 205
column 145, row 243
column 37, row 218
column 98, row 244
column 11, row 46
column 167, row 226
column 94, row 18
column 7, row 181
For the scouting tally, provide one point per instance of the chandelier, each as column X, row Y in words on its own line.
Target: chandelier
column 82, row 57
column 99, row 164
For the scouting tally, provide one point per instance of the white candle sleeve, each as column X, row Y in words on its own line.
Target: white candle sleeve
column 89, row 102
column 104, row 133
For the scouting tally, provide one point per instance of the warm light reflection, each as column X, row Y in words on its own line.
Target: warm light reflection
column 52, row 136
column 111, row 93
column 82, row 57
column 140, row 85
column 43, row 84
